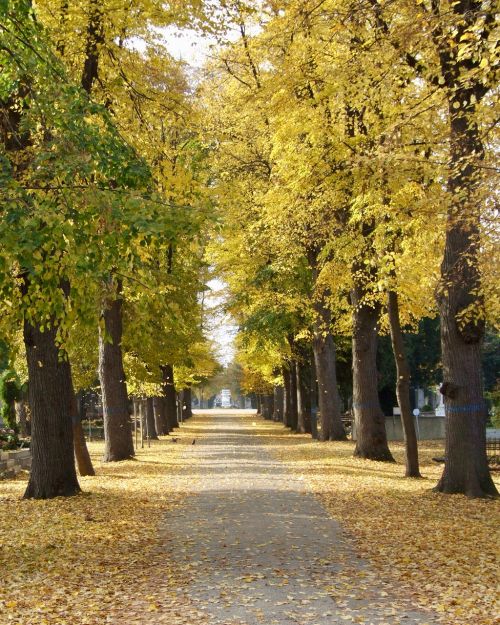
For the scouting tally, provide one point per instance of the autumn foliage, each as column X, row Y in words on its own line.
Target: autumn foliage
column 334, row 165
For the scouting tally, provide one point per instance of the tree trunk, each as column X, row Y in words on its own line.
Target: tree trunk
column 20, row 408
column 330, row 417
column 149, row 416
column 293, row 396
column 268, row 406
column 278, row 404
column 161, row 422
column 117, row 428
column 371, row 437
column 303, row 373
column 168, row 388
column 94, row 41
column 187, row 411
column 331, row 427
column 119, row 444
column 403, row 386
column 270, row 399
column 82, row 456
column 263, row 406
column 141, row 411
column 466, row 467
column 287, row 405
column 313, row 390
column 135, row 421
column 50, row 392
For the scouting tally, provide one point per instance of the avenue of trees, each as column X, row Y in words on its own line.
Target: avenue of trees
column 335, row 166
column 355, row 166
column 104, row 208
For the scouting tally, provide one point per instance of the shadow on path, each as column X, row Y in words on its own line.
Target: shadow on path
column 258, row 547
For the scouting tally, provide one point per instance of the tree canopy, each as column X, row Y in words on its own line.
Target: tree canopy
column 333, row 163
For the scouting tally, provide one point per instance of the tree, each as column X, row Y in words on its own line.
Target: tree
column 462, row 33
column 287, row 240
column 60, row 153
column 451, row 49
column 147, row 96
column 10, row 392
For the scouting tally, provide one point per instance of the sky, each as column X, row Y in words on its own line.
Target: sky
column 187, row 45
column 221, row 328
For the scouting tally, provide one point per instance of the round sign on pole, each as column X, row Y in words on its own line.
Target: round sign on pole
column 416, row 412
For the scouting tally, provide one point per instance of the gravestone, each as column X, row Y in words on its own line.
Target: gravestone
column 440, row 407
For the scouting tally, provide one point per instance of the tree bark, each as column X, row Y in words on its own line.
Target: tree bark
column 278, row 404
column 149, row 420
column 263, row 406
column 313, row 390
column 168, row 388
column 94, row 39
column 141, row 411
column 371, row 437
column 161, row 421
column 466, row 466
column 20, row 408
column 403, row 386
column 50, row 392
column 270, row 399
column 82, row 456
column 294, row 416
column 268, row 406
column 117, row 428
column 303, row 374
column 187, row 411
column 83, row 461
column 330, row 417
column 325, row 359
column 287, row 405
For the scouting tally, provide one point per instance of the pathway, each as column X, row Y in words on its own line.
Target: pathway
column 259, row 547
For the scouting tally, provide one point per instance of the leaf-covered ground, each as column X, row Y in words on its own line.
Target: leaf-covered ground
column 100, row 558
column 258, row 546
column 94, row 558
column 440, row 550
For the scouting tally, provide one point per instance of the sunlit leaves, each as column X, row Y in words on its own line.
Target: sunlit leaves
column 429, row 548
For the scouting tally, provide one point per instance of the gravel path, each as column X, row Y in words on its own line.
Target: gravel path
column 258, row 547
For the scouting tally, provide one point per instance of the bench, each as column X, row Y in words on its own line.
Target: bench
column 492, row 453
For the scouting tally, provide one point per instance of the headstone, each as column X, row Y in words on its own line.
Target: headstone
column 420, row 397
column 439, row 412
